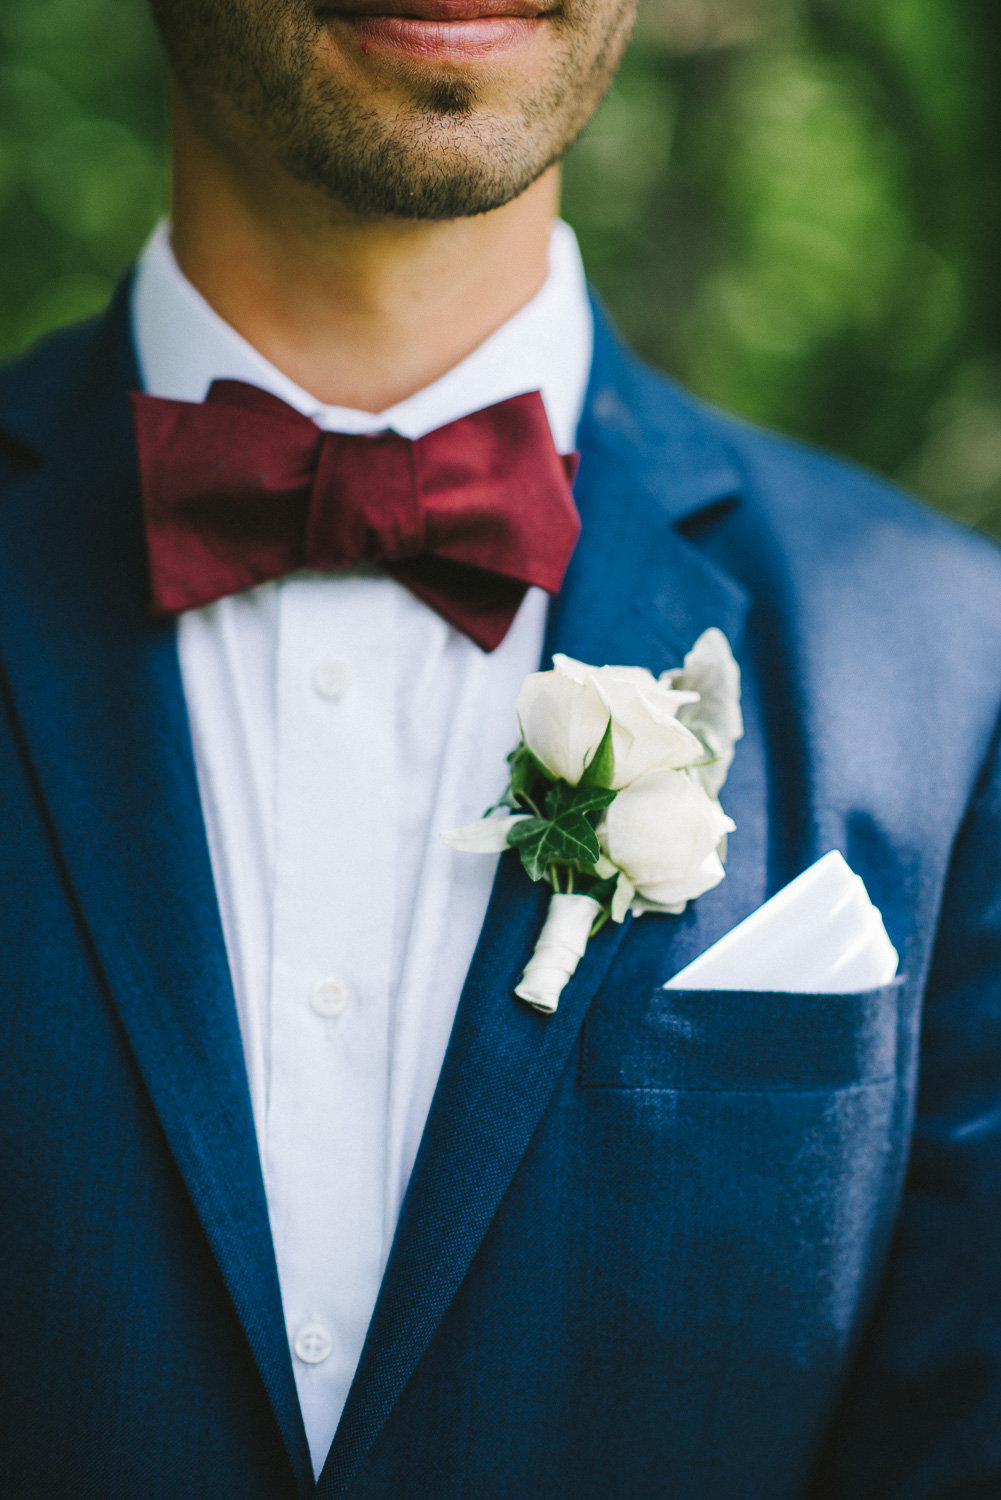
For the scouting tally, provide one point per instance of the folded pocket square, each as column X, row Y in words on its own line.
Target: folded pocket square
column 819, row 935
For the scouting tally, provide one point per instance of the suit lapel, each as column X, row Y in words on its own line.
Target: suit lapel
column 97, row 695
column 636, row 594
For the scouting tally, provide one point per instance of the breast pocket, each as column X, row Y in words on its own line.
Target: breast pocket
column 741, row 1040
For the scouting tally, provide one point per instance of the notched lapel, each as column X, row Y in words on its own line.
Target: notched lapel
column 636, row 594
column 97, row 694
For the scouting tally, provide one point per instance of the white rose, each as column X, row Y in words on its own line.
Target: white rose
column 712, row 674
column 664, row 832
column 563, row 715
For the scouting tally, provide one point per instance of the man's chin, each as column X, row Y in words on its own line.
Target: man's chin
column 444, row 157
column 417, row 196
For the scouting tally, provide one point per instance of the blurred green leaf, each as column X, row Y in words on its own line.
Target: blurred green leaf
column 792, row 205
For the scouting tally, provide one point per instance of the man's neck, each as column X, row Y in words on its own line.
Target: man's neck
column 359, row 313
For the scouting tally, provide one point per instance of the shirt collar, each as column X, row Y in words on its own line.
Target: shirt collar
column 183, row 345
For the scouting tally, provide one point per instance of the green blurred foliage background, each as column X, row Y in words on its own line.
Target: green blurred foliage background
column 793, row 205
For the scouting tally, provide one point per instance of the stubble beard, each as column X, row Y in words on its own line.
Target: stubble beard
column 445, row 155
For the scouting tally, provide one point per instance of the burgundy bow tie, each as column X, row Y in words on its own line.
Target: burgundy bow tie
column 243, row 488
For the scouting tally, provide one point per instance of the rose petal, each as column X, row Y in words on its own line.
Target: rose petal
column 561, row 721
column 485, row 836
column 711, row 671
column 661, row 831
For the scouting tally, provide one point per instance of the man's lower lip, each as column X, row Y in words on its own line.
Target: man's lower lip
column 449, row 41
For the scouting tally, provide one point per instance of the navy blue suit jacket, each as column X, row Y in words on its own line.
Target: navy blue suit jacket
column 704, row 1246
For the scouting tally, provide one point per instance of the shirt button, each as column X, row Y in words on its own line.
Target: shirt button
column 332, row 678
column 312, row 1344
column 330, row 997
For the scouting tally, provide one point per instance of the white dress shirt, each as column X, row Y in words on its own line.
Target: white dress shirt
column 339, row 725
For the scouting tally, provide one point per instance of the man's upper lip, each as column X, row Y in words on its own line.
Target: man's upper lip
column 440, row 10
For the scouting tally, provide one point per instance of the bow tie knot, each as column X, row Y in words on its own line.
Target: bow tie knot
column 242, row 488
column 350, row 521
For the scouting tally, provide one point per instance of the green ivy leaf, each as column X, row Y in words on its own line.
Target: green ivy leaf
column 600, row 769
column 566, row 836
column 542, row 842
column 573, row 840
column 531, row 846
column 524, row 772
column 525, row 832
column 564, row 798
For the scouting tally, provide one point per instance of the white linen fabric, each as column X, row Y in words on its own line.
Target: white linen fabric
column 339, row 725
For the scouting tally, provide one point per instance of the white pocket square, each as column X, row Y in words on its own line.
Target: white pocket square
column 819, row 935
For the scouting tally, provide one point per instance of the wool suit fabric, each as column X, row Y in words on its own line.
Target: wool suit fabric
column 696, row 1245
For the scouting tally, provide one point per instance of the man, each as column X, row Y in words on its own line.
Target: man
column 298, row 1198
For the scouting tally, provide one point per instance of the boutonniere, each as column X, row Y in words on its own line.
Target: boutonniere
column 613, row 796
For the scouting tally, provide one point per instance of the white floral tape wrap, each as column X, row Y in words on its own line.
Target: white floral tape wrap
column 558, row 951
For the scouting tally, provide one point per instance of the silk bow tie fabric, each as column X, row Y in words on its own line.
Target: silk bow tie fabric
column 242, row 488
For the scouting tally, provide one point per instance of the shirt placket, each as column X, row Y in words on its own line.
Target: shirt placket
column 334, row 893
